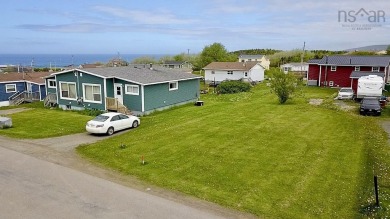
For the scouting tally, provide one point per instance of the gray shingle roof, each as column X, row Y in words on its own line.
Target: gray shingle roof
column 314, row 61
column 356, row 60
column 141, row 75
column 358, row 74
column 244, row 66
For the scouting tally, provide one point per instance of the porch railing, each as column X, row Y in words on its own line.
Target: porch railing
column 50, row 100
column 24, row 96
column 113, row 104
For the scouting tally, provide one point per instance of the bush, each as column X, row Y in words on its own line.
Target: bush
column 231, row 87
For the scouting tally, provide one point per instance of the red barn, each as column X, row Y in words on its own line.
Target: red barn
column 344, row 71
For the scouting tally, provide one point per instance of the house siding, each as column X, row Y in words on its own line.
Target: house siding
column 132, row 102
column 79, row 79
column 20, row 87
column 340, row 77
column 158, row 95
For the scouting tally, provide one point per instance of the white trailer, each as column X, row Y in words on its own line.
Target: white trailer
column 370, row 86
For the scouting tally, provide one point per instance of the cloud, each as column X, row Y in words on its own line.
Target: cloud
column 144, row 17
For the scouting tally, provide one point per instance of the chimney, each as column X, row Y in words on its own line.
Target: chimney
column 350, row 61
column 151, row 66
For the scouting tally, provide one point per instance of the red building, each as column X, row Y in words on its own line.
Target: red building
column 344, row 71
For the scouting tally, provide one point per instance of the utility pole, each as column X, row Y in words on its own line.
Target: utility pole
column 188, row 51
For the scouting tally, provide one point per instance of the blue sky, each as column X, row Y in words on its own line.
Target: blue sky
column 172, row 27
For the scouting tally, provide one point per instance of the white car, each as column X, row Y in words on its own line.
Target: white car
column 111, row 122
column 345, row 93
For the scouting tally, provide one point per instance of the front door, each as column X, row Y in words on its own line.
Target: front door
column 118, row 92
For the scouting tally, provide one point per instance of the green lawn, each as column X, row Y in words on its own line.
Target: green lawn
column 247, row 152
column 43, row 123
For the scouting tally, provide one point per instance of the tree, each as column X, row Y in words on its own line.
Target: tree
column 283, row 85
column 144, row 60
column 215, row 52
column 388, row 50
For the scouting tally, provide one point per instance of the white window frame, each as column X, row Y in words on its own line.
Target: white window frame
column 13, row 89
column 330, row 83
column 93, row 85
column 176, row 86
column 68, row 98
column 132, row 86
column 245, row 74
column 333, row 68
column 357, row 68
column 51, row 80
column 229, row 72
column 212, row 72
column 375, row 67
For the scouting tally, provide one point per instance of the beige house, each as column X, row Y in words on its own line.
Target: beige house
column 262, row 59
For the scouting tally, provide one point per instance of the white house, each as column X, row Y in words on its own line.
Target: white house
column 295, row 67
column 220, row 71
column 262, row 59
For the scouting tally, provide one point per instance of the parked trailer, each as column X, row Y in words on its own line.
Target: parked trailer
column 369, row 86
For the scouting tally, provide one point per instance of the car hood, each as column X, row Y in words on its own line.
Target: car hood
column 371, row 106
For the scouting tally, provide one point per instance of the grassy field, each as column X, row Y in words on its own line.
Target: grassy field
column 247, row 152
column 39, row 122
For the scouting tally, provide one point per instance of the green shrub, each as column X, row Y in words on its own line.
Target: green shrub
column 231, row 87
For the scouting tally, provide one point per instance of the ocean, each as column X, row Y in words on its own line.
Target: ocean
column 62, row 60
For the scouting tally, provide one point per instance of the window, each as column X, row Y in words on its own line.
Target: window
column 212, row 72
column 331, row 83
column 357, row 68
column 52, row 83
column 92, row 93
column 333, row 68
column 10, row 88
column 229, row 72
column 132, row 89
column 375, row 69
column 246, row 74
column 173, row 85
column 68, row 90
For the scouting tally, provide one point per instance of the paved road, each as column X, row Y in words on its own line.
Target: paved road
column 33, row 188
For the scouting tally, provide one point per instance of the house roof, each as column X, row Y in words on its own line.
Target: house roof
column 34, row 77
column 251, row 56
column 173, row 63
column 358, row 74
column 355, row 60
column 139, row 75
column 244, row 66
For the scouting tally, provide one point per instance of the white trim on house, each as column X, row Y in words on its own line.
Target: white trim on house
column 142, row 99
column 51, row 80
column 357, row 68
column 333, row 68
column 13, row 90
column 67, row 82
column 93, row 94
column 105, row 92
column 375, row 69
column 132, row 92
column 175, row 87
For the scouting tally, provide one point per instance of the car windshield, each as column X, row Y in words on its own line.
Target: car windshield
column 370, row 101
column 100, row 118
column 346, row 90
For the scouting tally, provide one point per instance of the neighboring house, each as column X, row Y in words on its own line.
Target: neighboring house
column 344, row 71
column 140, row 90
column 220, row 71
column 96, row 65
column 174, row 64
column 296, row 67
column 16, row 88
column 262, row 59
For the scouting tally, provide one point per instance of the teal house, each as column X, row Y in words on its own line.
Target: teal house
column 136, row 89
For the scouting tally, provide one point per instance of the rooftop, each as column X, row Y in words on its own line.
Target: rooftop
column 34, row 77
column 245, row 66
column 355, row 60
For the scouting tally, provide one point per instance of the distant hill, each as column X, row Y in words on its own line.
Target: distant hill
column 373, row 48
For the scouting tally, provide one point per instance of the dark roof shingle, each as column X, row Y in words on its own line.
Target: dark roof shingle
column 141, row 75
column 356, row 60
column 35, row 77
column 245, row 66
column 358, row 74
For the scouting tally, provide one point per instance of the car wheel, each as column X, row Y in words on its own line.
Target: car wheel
column 135, row 124
column 110, row 131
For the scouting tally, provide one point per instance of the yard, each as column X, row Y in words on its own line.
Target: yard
column 39, row 122
column 247, row 152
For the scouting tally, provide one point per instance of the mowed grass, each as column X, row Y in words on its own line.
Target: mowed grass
column 247, row 152
column 43, row 123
